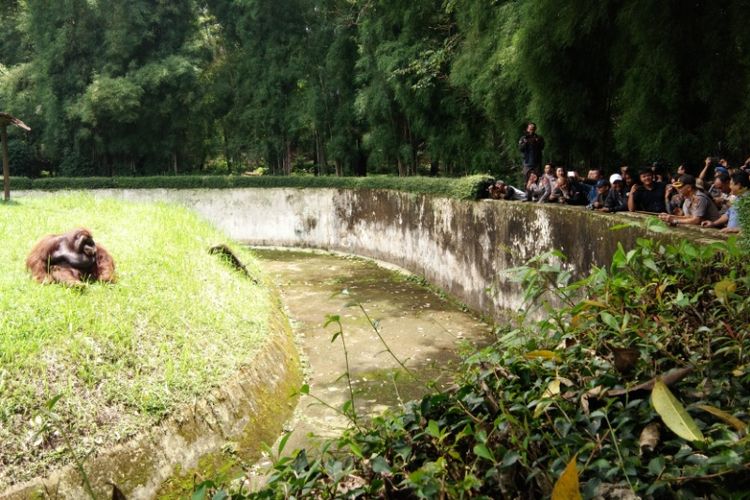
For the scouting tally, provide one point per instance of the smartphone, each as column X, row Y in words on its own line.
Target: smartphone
column 571, row 173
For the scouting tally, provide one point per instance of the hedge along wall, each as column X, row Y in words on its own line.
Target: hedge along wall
column 463, row 247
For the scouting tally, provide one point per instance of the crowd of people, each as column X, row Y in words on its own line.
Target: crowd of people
column 708, row 199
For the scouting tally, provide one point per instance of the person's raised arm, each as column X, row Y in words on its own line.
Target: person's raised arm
column 704, row 172
column 631, row 197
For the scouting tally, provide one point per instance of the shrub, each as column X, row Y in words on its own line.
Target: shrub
column 20, row 183
column 560, row 391
column 472, row 187
column 22, row 159
column 743, row 208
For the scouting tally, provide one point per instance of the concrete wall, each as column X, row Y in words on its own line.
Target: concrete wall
column 465, row 248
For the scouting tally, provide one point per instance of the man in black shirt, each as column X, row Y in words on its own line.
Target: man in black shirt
column 648, row 196
column 531, row 146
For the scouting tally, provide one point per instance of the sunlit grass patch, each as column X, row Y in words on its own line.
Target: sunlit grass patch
column 177, row 322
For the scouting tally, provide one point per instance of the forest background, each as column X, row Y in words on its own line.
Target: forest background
column 143, row 87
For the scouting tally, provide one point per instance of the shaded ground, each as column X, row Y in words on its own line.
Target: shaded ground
column 424, row 330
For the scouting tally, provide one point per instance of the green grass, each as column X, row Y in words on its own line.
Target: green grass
column 177, row 322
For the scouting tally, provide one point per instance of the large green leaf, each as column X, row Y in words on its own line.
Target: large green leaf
column 673, row 414
column 481, row 450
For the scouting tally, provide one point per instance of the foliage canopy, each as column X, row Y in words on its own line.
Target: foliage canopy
column 356, row 86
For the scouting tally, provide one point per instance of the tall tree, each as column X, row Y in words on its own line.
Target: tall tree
column 564, row 60
column 487, row 65
column 148, row 86
column 113, row 80
column 679, row 93
column 14, row 46
column 412, row 110
column 269, row 39
column 330, row 55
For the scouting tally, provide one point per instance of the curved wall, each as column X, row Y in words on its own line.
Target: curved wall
column 463, row 247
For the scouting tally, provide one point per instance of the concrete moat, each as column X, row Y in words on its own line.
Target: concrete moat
column 425, row 330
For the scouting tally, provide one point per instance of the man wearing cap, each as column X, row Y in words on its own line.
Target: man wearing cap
column 602, row 190
column 617, row 200
column 698, row 207
column 708, row 164
column 648, row 196
column 503, row 191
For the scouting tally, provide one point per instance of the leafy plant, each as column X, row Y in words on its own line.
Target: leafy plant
column 554, row 389
column 49, row 422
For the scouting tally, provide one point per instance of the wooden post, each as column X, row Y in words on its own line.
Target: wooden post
column 5, row 120
column 6, row 162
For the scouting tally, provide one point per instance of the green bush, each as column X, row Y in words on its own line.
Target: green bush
column 466, row 188
column 561, row 391
column 743, row 209
column 72, row 183
column 74, row 164
column 20, row 183
column 22, row 159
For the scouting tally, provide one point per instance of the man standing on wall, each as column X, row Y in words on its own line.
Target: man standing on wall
column 531, row 146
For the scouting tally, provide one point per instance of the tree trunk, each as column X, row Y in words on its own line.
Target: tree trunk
column 227, row 157
column 287, row 158
column 6, row 162
column 110, row 162
column 360, row 166
column 434, row 168
column 413, row 156
column 320, row 151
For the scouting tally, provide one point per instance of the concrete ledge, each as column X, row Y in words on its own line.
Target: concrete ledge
column 463, row 247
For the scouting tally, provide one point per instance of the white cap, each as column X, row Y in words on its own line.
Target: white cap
column 614, row 177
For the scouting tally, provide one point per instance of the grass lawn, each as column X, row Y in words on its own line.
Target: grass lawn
column 121, row 356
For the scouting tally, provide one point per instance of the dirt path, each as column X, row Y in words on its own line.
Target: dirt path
column 424, row 330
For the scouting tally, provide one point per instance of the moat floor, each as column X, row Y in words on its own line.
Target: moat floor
column 424, row 330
